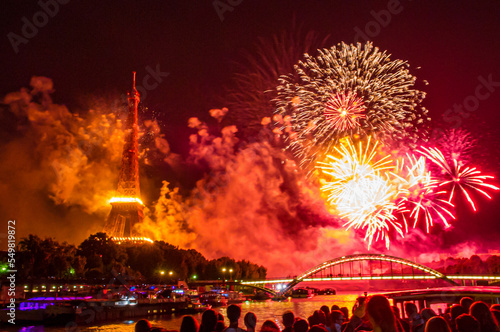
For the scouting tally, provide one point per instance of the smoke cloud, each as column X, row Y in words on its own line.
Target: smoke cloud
column 254, row 203
column 59, row 169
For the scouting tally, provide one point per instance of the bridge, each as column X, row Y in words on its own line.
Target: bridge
column 259, row 285
column 366, row 267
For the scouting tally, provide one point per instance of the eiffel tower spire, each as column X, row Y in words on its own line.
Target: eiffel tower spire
column 126, row 206
column 128, row 183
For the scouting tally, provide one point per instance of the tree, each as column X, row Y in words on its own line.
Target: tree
column 474, row 265
column 493, row 263
column 146, row 259
column 98, row 257
column 102, row 253
column 35, row 256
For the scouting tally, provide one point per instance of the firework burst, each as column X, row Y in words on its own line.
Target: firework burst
column 361, row 191
column 459, row 177
column 369, row 203
column 420, row 194
column 250, row 94
column 357, row 91
column 375, row 92
column 343, row 111
column 374, row 193
column 459, row 144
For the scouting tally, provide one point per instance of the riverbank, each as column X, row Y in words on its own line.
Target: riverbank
column 263, row 310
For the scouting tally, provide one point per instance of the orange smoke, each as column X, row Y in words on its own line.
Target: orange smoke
column 59, row 170
column 254, row 205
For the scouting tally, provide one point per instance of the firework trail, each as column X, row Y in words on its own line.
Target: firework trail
column 459, row 144
column 382, row 196
column 370, row 204
column 420, row 194
column 351, row 166
column 250, row 95
column 347, row 90
column 343, row 111
column 360, row 190
column 358, row 91
column 459, row 177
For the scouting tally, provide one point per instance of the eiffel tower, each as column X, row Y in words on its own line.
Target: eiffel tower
column 126, row 206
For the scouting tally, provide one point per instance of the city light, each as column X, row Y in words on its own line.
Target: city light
column 131, row 239
column 125, row 200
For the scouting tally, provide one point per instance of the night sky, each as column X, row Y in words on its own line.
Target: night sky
column 90, row 48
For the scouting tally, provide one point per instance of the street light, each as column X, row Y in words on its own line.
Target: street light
column 224, row 273
column 230, row 274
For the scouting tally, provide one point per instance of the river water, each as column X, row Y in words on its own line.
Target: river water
column 263, row 310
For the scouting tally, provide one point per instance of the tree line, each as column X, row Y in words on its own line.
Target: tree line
column 472, row 265
column 98, row 257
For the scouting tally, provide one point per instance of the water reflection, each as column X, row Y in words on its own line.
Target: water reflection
column 263, row 310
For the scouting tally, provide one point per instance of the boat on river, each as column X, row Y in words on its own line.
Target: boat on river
column 327, row 291
column 44, row 308
column 213, row 298
column 234, row 297
column 194, row 308
column 302, row 293
column 48, row 310
column 260, row 296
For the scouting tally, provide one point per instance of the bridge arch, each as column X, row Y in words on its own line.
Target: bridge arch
column 365, row 257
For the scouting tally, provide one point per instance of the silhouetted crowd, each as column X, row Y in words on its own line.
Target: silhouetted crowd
column 372, row 313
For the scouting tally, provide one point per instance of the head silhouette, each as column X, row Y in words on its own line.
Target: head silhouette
column 189, row 324
column 250, row 320
column 143, row 326
column 208, row 321
column 269, row 326
column 437, row 324
column 300, row 325
column 288, row 318
column 467, row 323
column 379, row 312
column 233, row 313
column 482, row 313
